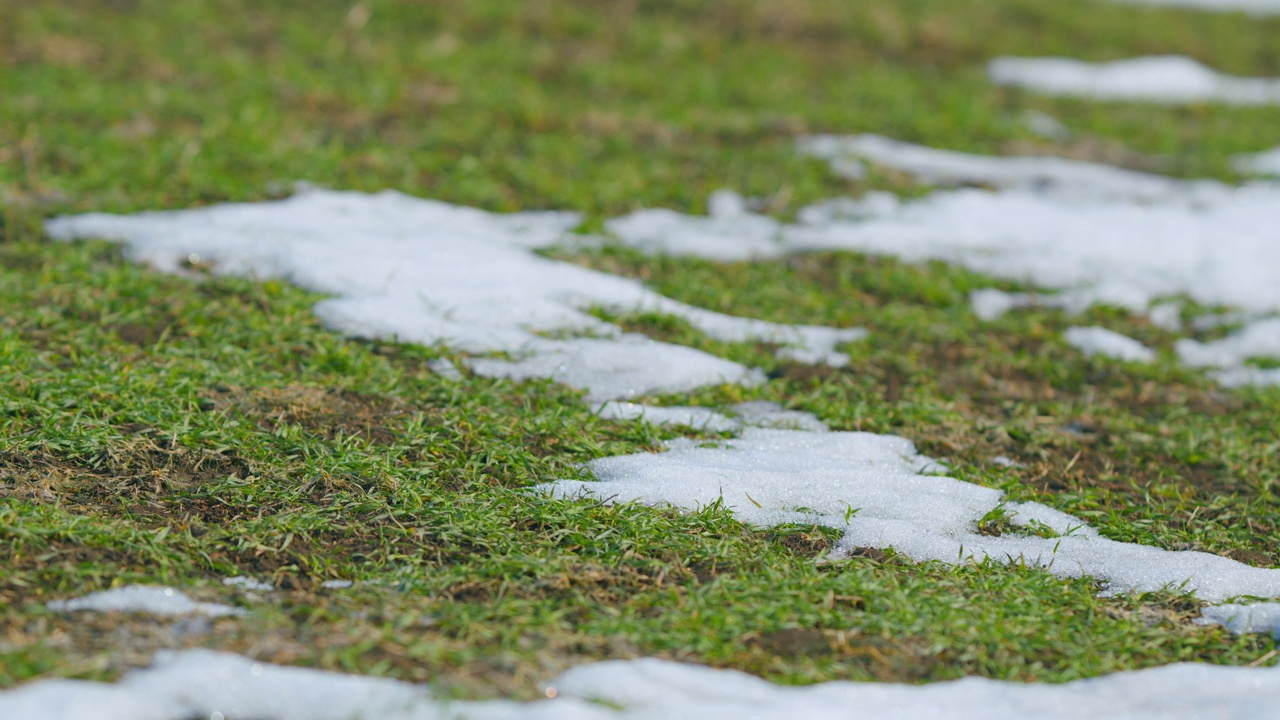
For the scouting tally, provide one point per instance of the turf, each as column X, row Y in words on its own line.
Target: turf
column 184, row 429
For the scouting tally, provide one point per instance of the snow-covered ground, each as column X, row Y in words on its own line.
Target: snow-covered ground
column 144, row 599
column 1159, row 79
column 1096, row 233
column 1253, row 7
column 222, row 686
column 428, row 272
column 882, row 494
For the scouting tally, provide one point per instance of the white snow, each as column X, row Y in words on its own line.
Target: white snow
column 445, row 368
column 1260, row 338
column 1070, row 179
column 1166, row 316
column 694, row 417
column 729, row 233
column 421, row 271
column 756, row 413
column 877, row 489
column 151, row 599
column 337, row 584
column 1094, row 341
column 1263, row 163
column 248, row 583
column 1240, row 619
column 772, row 415
column 1159, row 79
column 1252, row 7
column 207, row 684
column 1092, row 233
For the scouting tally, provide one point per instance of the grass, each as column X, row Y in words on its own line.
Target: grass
column 184, row 429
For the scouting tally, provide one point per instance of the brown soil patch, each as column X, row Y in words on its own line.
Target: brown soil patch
column 325, row 412
column 138, row 470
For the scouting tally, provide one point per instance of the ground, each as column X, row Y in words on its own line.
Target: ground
column 166, row 429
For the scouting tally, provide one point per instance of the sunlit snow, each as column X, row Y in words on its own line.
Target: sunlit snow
column 1159, row 79
column 421, row 271
column 883, row 494
column 207, row 684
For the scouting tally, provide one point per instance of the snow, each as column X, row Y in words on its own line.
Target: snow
column 727, row 234
column 1050, row 175
column 149, row 599
column 756, row 413
column 247, row 583
column 1093, row 341
column 1263, row 163
column 1160, row 79
column 881, row 493
column 698, row 418
column 1252, row 7
column 1258, row 339
column 1241, row 619
column 429, row 272
column 208, row 684
column 445, row 368
column 1090, row 232
column 772, row 415
column 1166, row 316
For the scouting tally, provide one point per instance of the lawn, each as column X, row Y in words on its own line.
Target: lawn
column 179, row 430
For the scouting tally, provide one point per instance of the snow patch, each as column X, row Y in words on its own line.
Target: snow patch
column 1240, row 619
column 445, row 368
column 150, row 599
column 1091, row 232
column 207, row 684
column 1160, row 79
column 419, row 271
column 1252, row 7
column 1048, row 175
column 757, row 414
column 694, row 417
column 1100, row 341
column 879, row 491
column 1260, row 338
column 248, row 583
column 1263, row 163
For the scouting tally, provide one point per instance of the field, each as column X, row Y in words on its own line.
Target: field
column 181, row 429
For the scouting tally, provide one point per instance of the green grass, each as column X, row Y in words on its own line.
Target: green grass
column 181, row 430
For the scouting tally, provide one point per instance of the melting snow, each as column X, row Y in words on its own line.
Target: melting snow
column 203, row 683
column 429, row 272
column 694, row 417
column 445, row 368
column 1100, row 341
column 1241, row 619
column 247, row 583
column 1068, row 179
column 1254, row 7
column 1096, row 233
column 142, row 599
column 758, row 414
column 879, row 491
column 1161, row 79
column 1263, row 163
